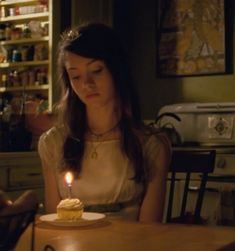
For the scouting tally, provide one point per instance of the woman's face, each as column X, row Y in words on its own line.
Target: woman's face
column 90, row 80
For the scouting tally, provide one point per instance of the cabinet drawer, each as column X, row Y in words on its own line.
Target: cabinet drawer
column 23, row 177
column 225, row 164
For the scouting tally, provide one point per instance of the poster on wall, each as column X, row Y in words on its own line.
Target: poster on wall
column 192, row 37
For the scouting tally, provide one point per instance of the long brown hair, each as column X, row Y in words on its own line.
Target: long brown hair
column 99, row 41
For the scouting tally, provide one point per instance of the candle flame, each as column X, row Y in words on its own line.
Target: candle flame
column 69, row 178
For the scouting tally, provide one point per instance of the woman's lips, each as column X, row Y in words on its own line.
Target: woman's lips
column 92, row 95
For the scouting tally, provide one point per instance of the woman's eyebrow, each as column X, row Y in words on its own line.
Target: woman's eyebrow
column 92, row 61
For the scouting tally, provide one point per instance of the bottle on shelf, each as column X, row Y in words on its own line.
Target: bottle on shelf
column 8, row 31
column 30, row 53
column 16, row 56
column 3, row 54
column 2, row 32
column 16, row 78
column 3, row 82
column 10, row 81
column 3, row 11
column 31, row 78
column 16, row 33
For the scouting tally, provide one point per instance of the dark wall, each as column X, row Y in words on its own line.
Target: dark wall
column 136, row 21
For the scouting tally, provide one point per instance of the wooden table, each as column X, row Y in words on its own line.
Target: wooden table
column 117, row 235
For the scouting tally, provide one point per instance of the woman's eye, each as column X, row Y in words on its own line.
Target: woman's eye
column 97, row 70
column 75, row 77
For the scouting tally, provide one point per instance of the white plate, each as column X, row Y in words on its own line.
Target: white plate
column 87, row 218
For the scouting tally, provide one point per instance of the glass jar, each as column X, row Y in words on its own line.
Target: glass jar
column 26, row 33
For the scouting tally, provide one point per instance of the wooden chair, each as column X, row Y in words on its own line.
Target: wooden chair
column 12, row 226
column 187, row 162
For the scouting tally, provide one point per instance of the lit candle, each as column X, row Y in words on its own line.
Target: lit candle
column 69, row 181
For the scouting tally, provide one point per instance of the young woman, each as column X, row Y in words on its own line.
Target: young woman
column 118, row 163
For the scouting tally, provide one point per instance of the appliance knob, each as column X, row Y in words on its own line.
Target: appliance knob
column 221, row 163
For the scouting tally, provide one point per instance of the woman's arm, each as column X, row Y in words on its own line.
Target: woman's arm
column 47, row 146
column 152, row 207
column 51, row 192
column 4, row 200
column 26, row 201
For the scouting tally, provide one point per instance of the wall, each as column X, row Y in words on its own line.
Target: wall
column 135, row 21
column 156, row 92
column 91, row 10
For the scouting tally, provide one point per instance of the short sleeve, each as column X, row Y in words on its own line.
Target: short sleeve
column 50, row 146
column 151, row 150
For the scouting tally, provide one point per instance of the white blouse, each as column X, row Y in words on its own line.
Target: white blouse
column 104, row 180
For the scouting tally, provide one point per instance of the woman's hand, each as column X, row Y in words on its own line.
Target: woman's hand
column 4, row 200
column 27, row 201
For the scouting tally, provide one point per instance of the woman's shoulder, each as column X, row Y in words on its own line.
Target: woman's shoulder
column 155, row 139
column 50, row 143
column 52, row 137
column 156, row 149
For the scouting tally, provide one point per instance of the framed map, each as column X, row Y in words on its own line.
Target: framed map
column 192, row 37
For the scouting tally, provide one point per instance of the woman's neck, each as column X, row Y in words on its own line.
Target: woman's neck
column 100, row 121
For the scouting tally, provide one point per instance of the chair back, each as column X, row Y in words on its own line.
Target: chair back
column 12, row 226
column 188, row 162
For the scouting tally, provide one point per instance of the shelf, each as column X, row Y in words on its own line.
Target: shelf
column 25, row 63
column 27, row 88
column 15, row 2
column 25, row 17
column 25, row 40
column 30, row 71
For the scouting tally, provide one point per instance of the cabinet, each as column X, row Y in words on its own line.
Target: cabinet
column 20, row 172
column 26, row 52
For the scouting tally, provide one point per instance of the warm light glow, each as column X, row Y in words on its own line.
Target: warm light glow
column 69, row 178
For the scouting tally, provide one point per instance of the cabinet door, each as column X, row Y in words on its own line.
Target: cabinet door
column 20, row 172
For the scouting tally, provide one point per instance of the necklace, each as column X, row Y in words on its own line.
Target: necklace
column 94, row 154
column 98, row 136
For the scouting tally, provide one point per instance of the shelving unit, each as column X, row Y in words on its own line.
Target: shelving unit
column 15, row 71
column 21, row 170
column 25, row 41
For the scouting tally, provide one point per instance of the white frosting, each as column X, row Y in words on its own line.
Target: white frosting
column 70, row 204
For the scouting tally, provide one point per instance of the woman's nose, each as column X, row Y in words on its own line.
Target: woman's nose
column 88, row 81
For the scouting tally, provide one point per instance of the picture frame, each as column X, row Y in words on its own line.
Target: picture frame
column 193, row 38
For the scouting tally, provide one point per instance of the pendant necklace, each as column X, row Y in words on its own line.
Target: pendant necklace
column 98, row 137
column 94, row 154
